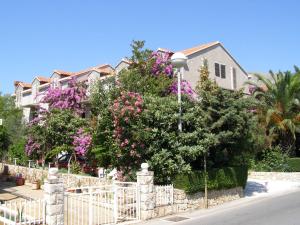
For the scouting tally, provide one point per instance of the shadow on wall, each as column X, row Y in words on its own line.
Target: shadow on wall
column 253, row 187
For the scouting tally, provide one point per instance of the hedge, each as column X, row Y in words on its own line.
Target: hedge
column 223, row 178
column 294, row 164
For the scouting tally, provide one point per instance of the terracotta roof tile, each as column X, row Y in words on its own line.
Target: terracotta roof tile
column 198, row 48
column 16, row 82
column 25, row 85
column 64, row 73
column 103, row 68
column 44, row 79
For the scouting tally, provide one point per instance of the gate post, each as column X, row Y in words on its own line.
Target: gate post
column 54, row 198
column 147, row 198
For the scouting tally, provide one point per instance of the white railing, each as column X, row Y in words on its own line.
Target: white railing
column 102, row 204
column 89, row 208
column 23, row 212
column 127, row 201
column 164, row 194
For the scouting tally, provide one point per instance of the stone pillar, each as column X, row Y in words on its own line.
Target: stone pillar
column 54, row 198
column 147, row 196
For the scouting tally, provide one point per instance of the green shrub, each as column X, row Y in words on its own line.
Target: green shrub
column 223, row 178
column 294, row 164
column 17, row 150
column 272, row 160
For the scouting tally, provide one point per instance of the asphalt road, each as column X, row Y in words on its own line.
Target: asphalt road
column 277, row 210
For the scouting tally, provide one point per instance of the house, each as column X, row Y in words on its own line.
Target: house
column 223, row 68
column 28, row 96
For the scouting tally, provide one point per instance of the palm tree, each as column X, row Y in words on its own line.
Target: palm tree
column 279, row 108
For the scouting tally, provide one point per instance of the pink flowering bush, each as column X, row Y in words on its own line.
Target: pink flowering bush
column 60, row 125
column 68, row 98
column 186, row 89
column 162, row 63
column 32, row 146
column 82, row 142
column 126, row 110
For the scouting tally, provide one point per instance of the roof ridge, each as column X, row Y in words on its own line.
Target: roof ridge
column 192, row 50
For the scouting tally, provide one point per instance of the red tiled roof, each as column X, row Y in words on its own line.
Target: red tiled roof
column 198, row 48
column 103, row 68
column 22, row 84
column 64, row 73
column 44, row 79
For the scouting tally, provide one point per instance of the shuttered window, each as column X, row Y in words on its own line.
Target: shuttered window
column 223, row 71
column 217, row 69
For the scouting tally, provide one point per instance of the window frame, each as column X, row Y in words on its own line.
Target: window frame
column 220, row 66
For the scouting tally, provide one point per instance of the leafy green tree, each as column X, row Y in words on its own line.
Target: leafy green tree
column 279, row 106
column 104, row 92
column 12, row 129
column 148, row 73
column 224, row 126
column 4, row 141
column 164, row 144
column 16, row 150
column 12, row 117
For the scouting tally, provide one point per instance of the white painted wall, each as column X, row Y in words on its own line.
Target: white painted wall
column 214, row 55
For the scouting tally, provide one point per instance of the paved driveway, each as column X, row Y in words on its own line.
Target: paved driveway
column 9, row 191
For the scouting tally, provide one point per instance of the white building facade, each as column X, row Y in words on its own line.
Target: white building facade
column 28, row 96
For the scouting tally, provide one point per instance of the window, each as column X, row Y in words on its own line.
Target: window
column 217, row 69
column 55, row 82
column 220, row 70
column 223, row 71
column 234, row 78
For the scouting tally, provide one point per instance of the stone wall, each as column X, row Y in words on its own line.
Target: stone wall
column 69, row 180
column 285, row 176
column 184, row 202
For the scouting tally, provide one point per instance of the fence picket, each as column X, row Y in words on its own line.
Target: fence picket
column 22, row 211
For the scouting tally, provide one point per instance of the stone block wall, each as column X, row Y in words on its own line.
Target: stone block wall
column 184, row 202
column 69, row 180
column 284, row 176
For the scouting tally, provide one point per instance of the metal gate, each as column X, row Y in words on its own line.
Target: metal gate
column 102, row 204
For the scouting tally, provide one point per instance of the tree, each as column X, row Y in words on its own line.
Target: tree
column 149, row 72
column 4, row 141
column 61, row 128
column 165, row 149
column 12, row 129
column 103, row 93
column 278, row 106
column 222, row 127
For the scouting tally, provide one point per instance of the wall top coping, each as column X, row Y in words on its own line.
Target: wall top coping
column 142, row 173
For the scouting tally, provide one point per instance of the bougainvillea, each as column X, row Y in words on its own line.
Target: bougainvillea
column 31, row 146
column 162, row 63
column 186, row 89
column 126, row 110
column 81, row 142
column 67, row 98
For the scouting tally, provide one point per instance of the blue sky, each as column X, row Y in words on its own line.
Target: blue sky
column 37, row 37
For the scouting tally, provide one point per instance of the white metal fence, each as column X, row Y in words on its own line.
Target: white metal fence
column 23, row 212
column 102, row 204
column 164, row 194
